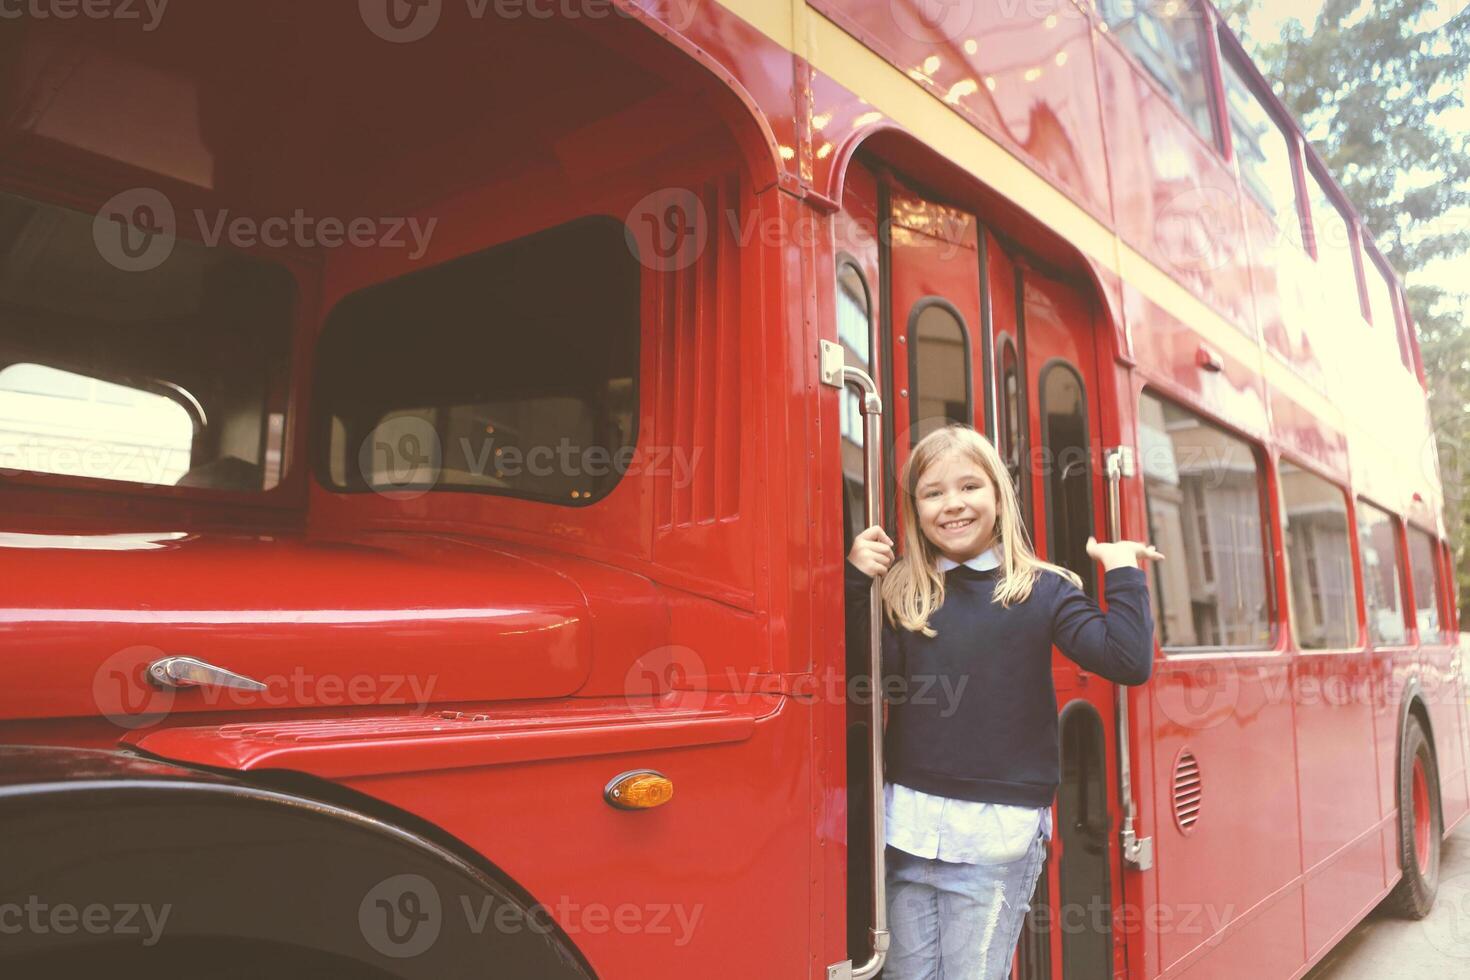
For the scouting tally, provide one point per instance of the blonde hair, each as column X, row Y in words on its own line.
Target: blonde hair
column 913, row 589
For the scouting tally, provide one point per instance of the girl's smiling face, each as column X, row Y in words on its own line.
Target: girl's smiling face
column 955, row 502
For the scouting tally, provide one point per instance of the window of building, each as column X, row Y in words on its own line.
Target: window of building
column 171, row 374
column 1205, row 506
column 489, row 373
column 1426, row 585
column 939, row 368
column 1262, row 152
column 1319, row 558
column 1383, row 590
column 1169, row 41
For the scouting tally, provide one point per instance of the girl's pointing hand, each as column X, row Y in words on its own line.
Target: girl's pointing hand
column 1121, row 554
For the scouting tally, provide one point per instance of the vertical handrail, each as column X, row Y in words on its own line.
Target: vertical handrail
column 872, row 409
column 1139, row 853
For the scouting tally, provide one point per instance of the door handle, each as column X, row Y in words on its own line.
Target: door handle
column 181, row 672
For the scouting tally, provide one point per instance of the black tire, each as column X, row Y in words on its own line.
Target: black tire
column 1413, row 896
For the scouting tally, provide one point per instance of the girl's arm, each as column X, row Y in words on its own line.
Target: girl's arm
column 1119, row 643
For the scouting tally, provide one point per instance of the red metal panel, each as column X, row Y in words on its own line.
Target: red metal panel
column 388, row 621
column 1170, row 354
column 1020, row 73
column 1235, row 715
column 1342, row 856
column 736, row 837
column 1284, row 285
column 472, row 735
column 1306, row 435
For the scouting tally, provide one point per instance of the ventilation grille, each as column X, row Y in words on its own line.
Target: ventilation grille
column 698, row 408
column 1188, row 791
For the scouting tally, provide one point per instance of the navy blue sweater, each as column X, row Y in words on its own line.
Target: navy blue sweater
column 972, row 711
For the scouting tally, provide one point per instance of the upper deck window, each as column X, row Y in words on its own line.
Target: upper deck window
column 1333, row 236
column 1262, row 151
column 509, row 371
column 1381, row 303
column 1168, row 39
column 172, row 373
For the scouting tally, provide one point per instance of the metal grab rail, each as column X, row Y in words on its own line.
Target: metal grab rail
column 872, row 409
column 1138, row 852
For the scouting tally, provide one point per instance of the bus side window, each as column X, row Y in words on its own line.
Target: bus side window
column 1383, row 583
column 1204, row 503
column 1425, row 572
column 1319, row 558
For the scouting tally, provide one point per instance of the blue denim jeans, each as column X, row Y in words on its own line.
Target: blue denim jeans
column 948, row 920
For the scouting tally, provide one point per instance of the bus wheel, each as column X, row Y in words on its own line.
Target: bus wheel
column 1420, row 832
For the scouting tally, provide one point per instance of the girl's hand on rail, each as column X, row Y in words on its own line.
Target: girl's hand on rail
column 872, row 552
column 1120, row 554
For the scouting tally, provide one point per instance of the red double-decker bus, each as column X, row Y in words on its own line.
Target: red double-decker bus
column 432, row 430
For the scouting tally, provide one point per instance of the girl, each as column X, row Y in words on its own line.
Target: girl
column 970, row 746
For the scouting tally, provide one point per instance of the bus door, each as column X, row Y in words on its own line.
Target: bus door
column 909, row 313
column 1046, row 408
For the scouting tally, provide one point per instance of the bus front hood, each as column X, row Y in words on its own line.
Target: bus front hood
column 391, row 620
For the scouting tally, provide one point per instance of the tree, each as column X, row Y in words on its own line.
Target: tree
column 1366, row 85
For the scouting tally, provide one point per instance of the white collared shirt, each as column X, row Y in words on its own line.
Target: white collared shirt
column 961, row 831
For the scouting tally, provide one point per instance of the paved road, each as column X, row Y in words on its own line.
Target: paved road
column 1382, row 948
